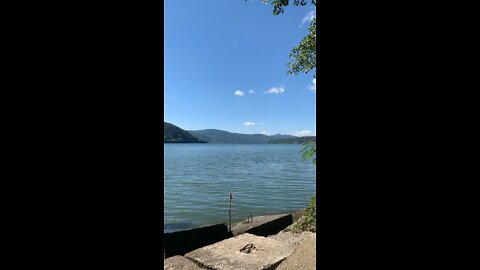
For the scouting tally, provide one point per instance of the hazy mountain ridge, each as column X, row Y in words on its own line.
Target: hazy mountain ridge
column 174, row 134
column 222, row 136
column 297, row 140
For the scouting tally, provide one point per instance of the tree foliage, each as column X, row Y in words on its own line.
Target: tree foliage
column 279, row 5
column 303, row 58
column 310, row 152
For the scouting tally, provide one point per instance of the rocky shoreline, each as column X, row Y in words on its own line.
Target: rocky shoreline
column 282, row 250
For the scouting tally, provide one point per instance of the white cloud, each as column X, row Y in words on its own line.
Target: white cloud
column 251, row 92
column 275, row 90
column 264, row 132
column 238, row 93
column 308, row 18
column 304, row 133
column 248, row 124
column 313, row 86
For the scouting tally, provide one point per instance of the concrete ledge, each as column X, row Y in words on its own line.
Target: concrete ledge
column 180, row 263
column 304, row 257
column 181, row 242
column 226, row 255
column 264, row 225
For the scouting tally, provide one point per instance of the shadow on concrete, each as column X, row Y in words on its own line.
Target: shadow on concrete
column 182, row 242
column 272, row 227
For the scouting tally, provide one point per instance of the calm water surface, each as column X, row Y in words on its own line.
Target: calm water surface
column 264, row 179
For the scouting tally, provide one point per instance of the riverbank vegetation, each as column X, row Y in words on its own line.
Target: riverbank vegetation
column 308, row 222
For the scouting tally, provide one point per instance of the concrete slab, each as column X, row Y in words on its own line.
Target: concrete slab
column 180, row 263
column 304, row 257
column 294, row 239
column 181, row 242
column 263, row 225
column 226, row 255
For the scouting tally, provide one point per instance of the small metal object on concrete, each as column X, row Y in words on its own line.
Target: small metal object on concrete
column 226, row 255
column 180, row 263
column 247, row 248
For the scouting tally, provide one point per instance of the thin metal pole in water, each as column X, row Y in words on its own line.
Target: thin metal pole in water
column 230, row 213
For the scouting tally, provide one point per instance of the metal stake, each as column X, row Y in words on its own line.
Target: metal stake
column 230, row 213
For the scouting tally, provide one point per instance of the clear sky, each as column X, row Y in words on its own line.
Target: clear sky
column 226, row 67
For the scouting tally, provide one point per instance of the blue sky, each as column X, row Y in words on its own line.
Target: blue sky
column 216, row 51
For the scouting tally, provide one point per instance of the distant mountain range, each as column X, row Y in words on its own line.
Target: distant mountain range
column 174, row 134
column 296, row 140
column 221, row 136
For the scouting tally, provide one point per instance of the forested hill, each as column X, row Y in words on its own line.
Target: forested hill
column 222, row 136
column 174, row 134
column 297, row 140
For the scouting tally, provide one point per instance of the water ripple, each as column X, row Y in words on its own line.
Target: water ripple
column 265, row 179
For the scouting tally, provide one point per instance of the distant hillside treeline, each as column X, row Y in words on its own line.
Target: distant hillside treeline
column 174, row 134
column 296, row 140
column 221, row 136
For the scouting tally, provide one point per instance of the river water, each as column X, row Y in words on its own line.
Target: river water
column 264, row 179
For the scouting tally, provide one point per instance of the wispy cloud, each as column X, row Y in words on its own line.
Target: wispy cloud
column 238, row 93
column 313, row 86
column 251, row 92
column 308, row 18
column 248, row 124
column 275, row 90
column 264, row 132
column 304, row 133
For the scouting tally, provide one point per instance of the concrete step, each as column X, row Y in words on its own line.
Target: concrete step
column 263, row 225
column 226, row 255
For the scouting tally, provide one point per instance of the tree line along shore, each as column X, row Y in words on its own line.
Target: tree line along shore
column 175, row 134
